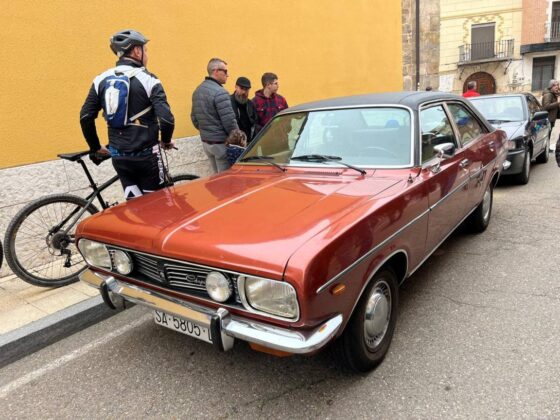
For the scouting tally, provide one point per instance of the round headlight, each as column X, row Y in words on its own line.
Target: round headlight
column 218, row 286
column 122, row 262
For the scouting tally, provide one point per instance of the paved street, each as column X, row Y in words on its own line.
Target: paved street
column 478, row 337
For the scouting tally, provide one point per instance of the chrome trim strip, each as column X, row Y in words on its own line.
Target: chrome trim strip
column 283, row 339
column 371, row 251
column 442, row 241
column 377, row 247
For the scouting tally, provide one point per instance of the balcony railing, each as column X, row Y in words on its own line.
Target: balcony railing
column 486, row 51
column 554, row 32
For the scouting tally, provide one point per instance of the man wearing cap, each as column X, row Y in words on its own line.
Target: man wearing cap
column 243, row 108
column 145, row 114
column 212, row 114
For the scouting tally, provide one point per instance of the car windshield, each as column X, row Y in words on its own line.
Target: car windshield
column 500, row 109
column 373, row 137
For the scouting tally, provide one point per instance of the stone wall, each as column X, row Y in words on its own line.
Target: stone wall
column 429, row 44
column 22, row 184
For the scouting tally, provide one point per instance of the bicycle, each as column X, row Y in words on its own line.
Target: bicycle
column 39, row 241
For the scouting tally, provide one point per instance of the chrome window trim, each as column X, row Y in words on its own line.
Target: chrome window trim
column 367, row 106
column 482, row 126
column 422, row 108
column 239, row 274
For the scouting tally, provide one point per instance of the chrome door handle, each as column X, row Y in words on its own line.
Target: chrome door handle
column 491, row 147
column 464, row 163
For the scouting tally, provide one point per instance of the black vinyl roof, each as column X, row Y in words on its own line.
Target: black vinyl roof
column 411, row 99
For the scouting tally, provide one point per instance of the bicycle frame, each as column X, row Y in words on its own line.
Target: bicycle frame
column 77, row 212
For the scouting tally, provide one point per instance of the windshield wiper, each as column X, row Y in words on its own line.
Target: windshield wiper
column 327, row 158
column 266, row 159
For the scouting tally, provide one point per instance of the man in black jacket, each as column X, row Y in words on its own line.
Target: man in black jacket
column 134, row 145
column 243, row 108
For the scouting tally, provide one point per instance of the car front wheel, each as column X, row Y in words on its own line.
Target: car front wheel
column 523, row 177
column 368, row 335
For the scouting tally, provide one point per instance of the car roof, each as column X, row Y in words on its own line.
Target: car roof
column 501, row 95
column 411, row 99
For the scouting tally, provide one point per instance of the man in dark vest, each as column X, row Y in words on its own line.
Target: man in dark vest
column 243, row 108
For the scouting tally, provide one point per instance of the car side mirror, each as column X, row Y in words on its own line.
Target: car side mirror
column 443, row 151
column 539, row 116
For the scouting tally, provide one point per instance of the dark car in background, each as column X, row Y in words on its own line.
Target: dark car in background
column 526, row 124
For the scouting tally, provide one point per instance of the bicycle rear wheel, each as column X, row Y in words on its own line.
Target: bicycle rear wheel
column 182, row 178
column 39, row 241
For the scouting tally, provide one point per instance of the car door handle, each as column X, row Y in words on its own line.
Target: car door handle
column 491, row 147
column 464, row 163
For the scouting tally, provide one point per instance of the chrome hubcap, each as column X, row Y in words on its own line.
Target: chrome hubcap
column 377, row 314
column 486, row 201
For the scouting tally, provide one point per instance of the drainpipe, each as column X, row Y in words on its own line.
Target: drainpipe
column 417, row 44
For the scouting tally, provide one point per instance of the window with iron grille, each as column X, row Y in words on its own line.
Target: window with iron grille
column 543, row 72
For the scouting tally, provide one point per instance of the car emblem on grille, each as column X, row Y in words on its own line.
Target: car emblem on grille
column 191, row 278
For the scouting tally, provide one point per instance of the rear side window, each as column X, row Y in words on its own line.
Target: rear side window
column 436, row 129
column 469, row 128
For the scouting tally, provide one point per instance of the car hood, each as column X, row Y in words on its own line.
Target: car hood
column 513, row 129
column 234, row 220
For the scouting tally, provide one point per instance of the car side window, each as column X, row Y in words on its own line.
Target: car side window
column 469, row 128
column 436, row 129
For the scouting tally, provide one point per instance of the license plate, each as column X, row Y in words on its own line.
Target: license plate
column 182, row 325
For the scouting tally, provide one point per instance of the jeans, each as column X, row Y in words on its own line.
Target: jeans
column 217, row 156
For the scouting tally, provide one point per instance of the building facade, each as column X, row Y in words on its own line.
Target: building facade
column 424, row 72
column 480, row 41
column 540, row 43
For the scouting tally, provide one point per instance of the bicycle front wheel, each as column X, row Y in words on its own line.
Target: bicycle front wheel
column 39, row 241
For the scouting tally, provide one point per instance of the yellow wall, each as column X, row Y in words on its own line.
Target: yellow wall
column 51, row 51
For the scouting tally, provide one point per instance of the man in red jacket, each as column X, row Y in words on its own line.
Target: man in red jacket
column 471, row 90
column 267, row 102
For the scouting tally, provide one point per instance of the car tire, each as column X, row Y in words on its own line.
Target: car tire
column 367, row 337
column 479, row 219
column 523, row 177
column 543, row 157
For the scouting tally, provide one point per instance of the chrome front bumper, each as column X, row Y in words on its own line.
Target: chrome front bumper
column 224, row 327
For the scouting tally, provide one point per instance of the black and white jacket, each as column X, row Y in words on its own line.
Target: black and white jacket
column 145, row 91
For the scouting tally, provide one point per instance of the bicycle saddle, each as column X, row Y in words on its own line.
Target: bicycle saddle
column 73, row 157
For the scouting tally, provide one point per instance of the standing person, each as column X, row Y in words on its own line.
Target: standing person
column 550, row 103
column 243, row 108
column 136, row 110
column 471, row 90
column 267, row 102
column 212, row 114
column 236, row 143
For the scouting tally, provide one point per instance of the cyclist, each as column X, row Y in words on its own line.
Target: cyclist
column 134, row 122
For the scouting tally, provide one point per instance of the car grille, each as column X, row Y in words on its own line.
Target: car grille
column 180, row 276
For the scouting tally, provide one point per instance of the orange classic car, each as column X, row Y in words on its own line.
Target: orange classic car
column 306, row 239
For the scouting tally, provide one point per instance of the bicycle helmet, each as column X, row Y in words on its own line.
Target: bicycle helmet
column 123, row 41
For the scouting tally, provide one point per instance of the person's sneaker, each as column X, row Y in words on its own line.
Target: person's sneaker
column 551, row 148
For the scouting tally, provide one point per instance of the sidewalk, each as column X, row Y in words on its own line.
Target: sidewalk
column 22, row 303
column 32, row 317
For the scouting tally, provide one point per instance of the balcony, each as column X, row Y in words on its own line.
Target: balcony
column 554, row 32
column 485, row 52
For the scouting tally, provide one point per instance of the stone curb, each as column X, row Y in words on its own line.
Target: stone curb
column 30, row 338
